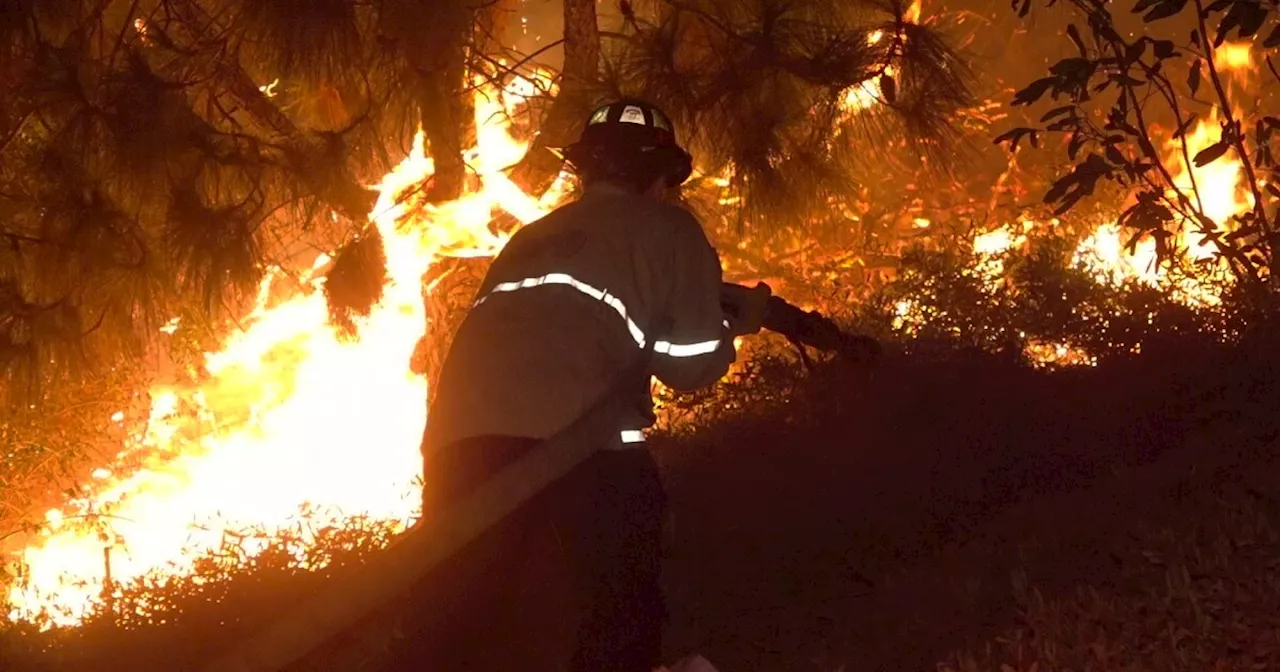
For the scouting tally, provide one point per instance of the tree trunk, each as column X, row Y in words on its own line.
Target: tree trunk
column 578, row 83
column 440, row 69
column 453, row 284
column 492, row 23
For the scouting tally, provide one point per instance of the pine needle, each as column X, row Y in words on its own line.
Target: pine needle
column 354, row 284
column 214, row 246
column 758, row 86
column 314, row 40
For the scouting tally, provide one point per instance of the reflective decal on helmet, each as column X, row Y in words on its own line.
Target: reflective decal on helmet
column 632, row 115
column 601, row 115
column 660, row 121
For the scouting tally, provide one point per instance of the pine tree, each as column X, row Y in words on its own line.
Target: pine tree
column 156, row 155
column 764, row 88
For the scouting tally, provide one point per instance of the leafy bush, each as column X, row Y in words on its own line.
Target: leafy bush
column 1031, row 302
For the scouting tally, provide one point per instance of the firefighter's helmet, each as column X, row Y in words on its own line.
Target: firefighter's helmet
column 630, row 140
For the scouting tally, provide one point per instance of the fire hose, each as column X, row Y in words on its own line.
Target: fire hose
column 812, row 329
column 317, row 618
column 392, row 572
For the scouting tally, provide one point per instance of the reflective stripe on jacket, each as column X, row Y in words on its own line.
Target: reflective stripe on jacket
column 569, row 303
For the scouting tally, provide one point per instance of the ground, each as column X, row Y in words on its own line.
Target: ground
column 927, row 516
column 968, row 511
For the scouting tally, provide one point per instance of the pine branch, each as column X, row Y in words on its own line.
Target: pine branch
column 763, row 88
column 312, row 156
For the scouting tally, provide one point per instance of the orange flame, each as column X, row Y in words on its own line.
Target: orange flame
column 912, row 15
column 1218, row 188
column 288, row 416
column 1236, row 59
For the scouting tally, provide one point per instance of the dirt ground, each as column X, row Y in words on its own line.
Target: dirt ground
column 890, row 532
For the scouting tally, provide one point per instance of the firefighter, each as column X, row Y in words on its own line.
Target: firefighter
column 570, row 302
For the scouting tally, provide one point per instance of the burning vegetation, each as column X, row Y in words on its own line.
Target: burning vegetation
column 221, row 253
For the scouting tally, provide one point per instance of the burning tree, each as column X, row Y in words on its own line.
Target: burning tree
column 192, row 178
column 1157, row 227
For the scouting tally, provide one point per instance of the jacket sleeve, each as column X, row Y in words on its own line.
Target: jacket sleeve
column 697, row 348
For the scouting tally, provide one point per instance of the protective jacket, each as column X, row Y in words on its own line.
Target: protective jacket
column 570, row 302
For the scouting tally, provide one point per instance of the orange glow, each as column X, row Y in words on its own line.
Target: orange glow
column 1235, row 59
column 867, row 94
column 1103, row 252
column 912, row 15
column 1221, row 193
column 286, row 415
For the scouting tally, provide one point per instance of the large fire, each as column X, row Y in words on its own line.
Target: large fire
column 288, row 415
column 293, row 425
column 1220, row 191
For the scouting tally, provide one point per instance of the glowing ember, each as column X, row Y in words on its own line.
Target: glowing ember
column 269, row 90
column 288, row 415
column 1045, row 354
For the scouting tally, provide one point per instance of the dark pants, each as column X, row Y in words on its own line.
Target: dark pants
column 496, row 604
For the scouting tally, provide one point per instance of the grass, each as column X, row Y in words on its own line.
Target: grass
column 883, row 531
column 958, row 509
column 1200, row 594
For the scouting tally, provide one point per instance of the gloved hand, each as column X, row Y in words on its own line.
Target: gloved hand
column 745, row 307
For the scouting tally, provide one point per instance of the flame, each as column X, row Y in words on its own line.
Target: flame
column 1202, row 275
column 1217, row 189
column 866, row 94
column 291, row 426
column 998, row 241
column 912, row 15
column 1233, row 55
column 1236, row 59
column 1221, row 194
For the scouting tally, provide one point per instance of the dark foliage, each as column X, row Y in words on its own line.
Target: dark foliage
column 762, row 88
column 154, row 157
column 1027, row 300
column 317, row 40
column 816, row 501
column 1207, row 577
column 1116, row 93
column 354, row 283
